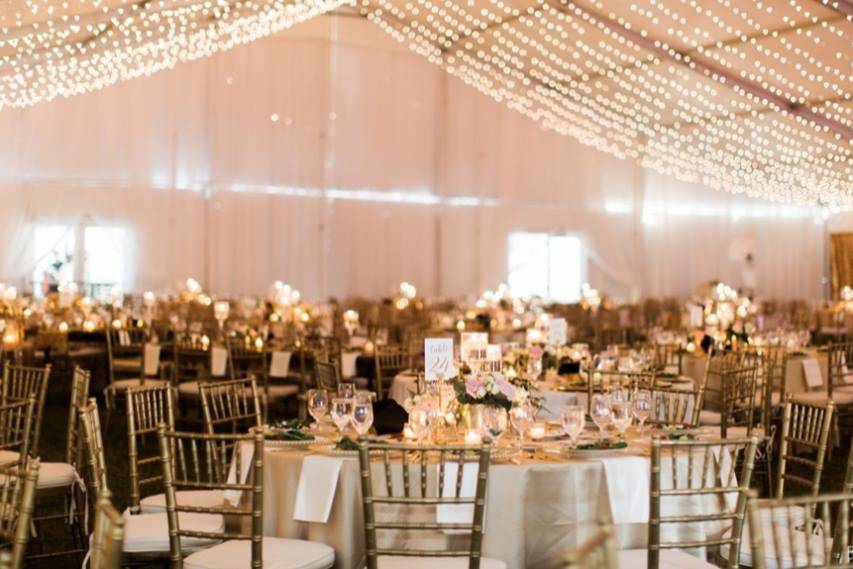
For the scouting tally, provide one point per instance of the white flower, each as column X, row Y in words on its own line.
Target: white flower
column 481, row 393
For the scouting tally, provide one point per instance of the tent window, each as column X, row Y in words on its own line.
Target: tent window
column 548, row 266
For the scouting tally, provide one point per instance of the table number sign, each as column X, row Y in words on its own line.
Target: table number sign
column 438, row 358
column 557, row 332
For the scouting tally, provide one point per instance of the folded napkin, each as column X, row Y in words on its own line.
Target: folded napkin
column 458, row 513
column 348, row 364
column 672, row 368
column 151, row 359
column 280, row 364
column 811, row 372
column 357, row 342
column 218, row 359
column 247, row 453
column 318, row 482
column 725, row 461
column 627, row 479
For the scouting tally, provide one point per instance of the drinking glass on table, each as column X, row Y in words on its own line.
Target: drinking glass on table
column 346, row 390
column 621, row 415
column 341, row 412
column 318, row 404
column 521, row 415
column 494, row 423
column 573, row 418
column 600, row 411
column 642, row 406
column 362, row 417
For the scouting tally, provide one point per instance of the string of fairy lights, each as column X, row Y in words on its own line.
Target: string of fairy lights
column 749, row 97
column 708, row 103
column 50, row 48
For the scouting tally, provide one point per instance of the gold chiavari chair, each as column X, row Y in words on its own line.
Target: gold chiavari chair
column 684, row 473
column 16, row 424
column 803, row 443
column 799, row 532
column 65, row 476
column 22, row 382
column 737, row 395
column 17, row 496
column 452, row 466
column 597, row 552
column 146, row 536
column 388, row 362
column 672, row 406
column 249, row 361
column 146, row 409
column 773, row 365
column 839, row 383
column 202, row 461
column 231, row 406
column 107, row 537
column 805, row 432
column 668, row 358
column 326, row 376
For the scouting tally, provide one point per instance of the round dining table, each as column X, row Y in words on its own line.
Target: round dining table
column 541, row 501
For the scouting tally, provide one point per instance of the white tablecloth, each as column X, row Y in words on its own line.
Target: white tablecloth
column 535, row 510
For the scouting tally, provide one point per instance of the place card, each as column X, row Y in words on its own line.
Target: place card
column 557, row 332
column 438, row 358
column 811, row 371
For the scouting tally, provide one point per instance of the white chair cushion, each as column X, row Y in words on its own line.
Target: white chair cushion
column 150, row 532
column 125, row 384
column 56, row 475
column 840, row 396
column 669, row 559
column 282, row 391
column 199, row 498
column 401, row 562
column 708, row 417
column 278, row 553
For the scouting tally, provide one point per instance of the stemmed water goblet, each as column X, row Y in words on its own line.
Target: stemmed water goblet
column 341, row 412
column 642, row 406
column 573, row 418
column 600, row 412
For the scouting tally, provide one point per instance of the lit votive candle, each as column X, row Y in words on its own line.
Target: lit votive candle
column 537, row 432
column 473, row 438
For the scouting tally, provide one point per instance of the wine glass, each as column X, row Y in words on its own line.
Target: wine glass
column 346, row 390
column 494, row 423
column 318, row 404
column 341, row 412
column 521, row 416
column 642, row 406
column 419, row 423
column 573, row 418
column 600, row 412
column 622, row 415
column 362, row 417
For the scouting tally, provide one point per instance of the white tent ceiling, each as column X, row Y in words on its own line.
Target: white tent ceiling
column 747, row 97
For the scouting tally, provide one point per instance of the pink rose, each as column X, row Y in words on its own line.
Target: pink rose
column 506, row 388
column 472, row 386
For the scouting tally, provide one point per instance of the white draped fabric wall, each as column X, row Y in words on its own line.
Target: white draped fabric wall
column 334, row 159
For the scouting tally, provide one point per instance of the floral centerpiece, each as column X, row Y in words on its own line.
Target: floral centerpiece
column 488, row 389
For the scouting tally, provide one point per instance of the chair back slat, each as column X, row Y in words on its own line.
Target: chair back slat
column 107, row 536
column 688, row 470
column 805, row 436
column 21, row 383
column 415, row 480
column 230, row 406
column 201, row 461
column 147, row 408
column 806, row 532
column 16, row 424
column 326, row 376
column 91, row 421
column 17, row 500
column 80, row 380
